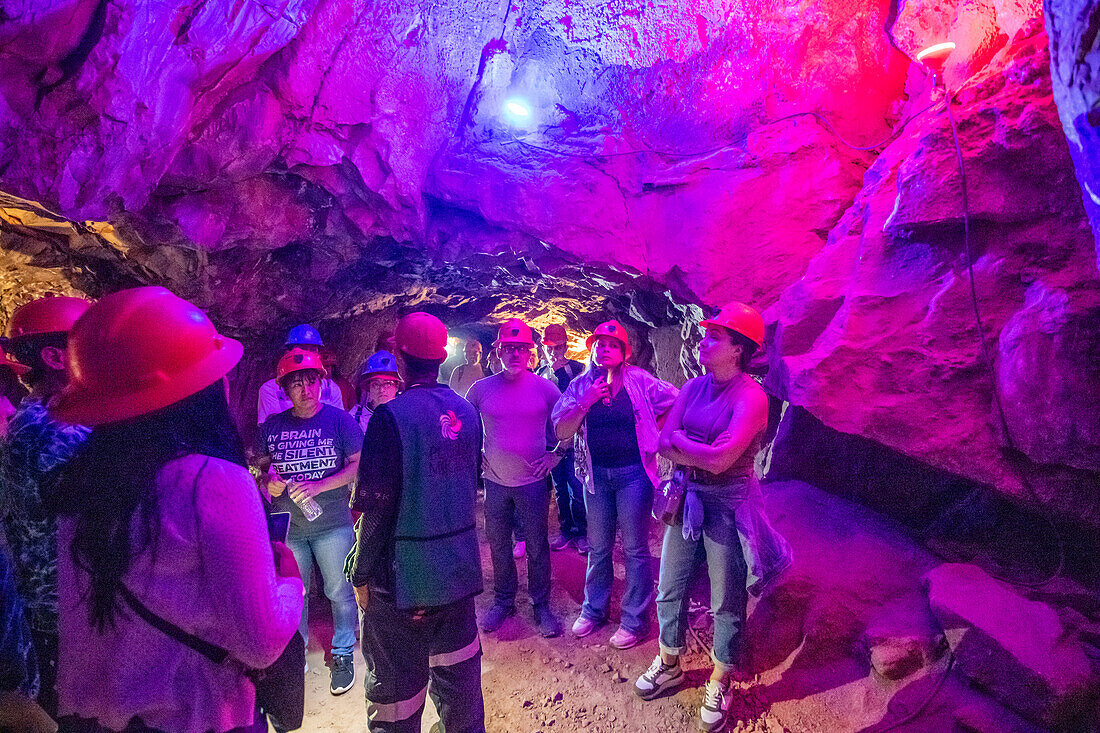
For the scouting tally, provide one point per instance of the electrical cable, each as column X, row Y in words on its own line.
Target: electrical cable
column 987, row 358
column 735, row 143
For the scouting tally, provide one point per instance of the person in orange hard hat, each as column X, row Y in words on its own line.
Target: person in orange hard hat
column 712, row 434
column 35, row 449
column 163, row 544
column 273, row 399
column 515, row 408
column 312, row 450
column 611, row 412
column 416, row 567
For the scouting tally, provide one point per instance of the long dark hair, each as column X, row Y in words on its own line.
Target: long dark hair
column 114, row 477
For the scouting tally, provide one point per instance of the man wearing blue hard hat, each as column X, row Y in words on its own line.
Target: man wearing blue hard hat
column 273, row 399
column 378, row 383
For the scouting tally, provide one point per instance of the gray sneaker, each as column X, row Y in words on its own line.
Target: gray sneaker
column 343, row 674
column 716, row 706
column 495, row 617
column 658, row 678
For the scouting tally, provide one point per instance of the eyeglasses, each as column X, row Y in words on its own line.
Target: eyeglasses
column 381, row 383
column 515, row 349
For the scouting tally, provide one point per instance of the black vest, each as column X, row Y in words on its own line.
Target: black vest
column 435, row 553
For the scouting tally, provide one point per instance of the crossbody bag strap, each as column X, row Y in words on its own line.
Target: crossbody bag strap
column 213, row 652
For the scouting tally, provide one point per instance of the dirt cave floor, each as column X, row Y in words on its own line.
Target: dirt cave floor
column 534, row 685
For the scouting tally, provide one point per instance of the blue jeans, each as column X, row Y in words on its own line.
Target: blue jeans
column 720, row 546
column 330, row 548
column 530, row 504
column 623, row 500
column 570, row 493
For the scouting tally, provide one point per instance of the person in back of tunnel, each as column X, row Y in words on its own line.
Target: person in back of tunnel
column 712, row 434
column 416, row 566
column 273, row 399
column 37, row 447
column 515, row 408
column 464, row 375
column 572, row 520
column 161, row 526
column 611, row 412
column 312, row 456
column 378, row 383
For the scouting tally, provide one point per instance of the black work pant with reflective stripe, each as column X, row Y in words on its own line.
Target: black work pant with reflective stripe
column 406, row 652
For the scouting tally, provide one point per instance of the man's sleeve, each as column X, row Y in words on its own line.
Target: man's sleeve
column 331, row 394
column 376, row 495
column 267, row 403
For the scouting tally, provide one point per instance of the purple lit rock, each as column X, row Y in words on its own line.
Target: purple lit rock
column 1018, row 650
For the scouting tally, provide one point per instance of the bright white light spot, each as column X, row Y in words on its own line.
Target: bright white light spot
column 517, row 111
column 939, row 51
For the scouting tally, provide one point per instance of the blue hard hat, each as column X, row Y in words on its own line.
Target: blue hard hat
column 303, row 334
column 380, row 362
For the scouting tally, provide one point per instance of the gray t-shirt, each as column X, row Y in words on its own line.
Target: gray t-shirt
column 307, row 449
column 516, row 417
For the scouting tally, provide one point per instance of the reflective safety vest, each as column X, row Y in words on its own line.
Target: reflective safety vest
column 435, row 553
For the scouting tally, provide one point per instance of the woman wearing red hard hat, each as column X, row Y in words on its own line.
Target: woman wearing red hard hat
column 162, row 532
column 713, row 434
column 611, row 412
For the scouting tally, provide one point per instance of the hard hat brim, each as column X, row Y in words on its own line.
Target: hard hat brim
column 91, row 404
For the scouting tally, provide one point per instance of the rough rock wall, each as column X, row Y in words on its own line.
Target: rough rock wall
column 336, row 161
column 1074, row 30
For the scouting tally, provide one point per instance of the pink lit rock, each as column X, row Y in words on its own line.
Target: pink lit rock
column 885, row 309
column 1018, row 650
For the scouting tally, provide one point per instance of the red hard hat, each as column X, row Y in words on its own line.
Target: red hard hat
column 514, row 331
column 51, row 314
column 739, row 318
column 615, row 330
column 555, row 335
column 297, row 360
column 421, row 335
column 136, row 351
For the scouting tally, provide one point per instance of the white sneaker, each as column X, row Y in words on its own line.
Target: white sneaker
column 658, row 678
column 583, row 626
column 624, row 639
column 716, row 706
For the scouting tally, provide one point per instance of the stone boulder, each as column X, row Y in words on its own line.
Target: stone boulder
column 1017, row 650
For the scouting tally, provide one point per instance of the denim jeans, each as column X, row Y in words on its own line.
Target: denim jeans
column 720, row 546
column 623, row 500
column 330, row 549
column 530, row 504
column 570, row 494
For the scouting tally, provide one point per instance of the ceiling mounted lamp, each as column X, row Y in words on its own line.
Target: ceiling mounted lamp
column 934, row 58
column 517, row 111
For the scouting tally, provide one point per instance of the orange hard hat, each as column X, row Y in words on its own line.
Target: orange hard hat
column 421, row 335
column 136, row 351
column 615, row 330
column 51, row 314
column 297, row 360
column 739, row 318
column 555, row 335
column 515, row 331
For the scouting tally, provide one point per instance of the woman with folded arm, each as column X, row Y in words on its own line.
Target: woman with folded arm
column 713, row 434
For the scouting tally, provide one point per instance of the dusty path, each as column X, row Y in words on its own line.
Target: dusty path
column 533, row 684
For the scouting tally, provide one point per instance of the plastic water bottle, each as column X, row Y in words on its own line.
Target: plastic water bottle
column 310, row 508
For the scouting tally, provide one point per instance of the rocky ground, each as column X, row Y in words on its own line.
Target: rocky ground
column 851, row 639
